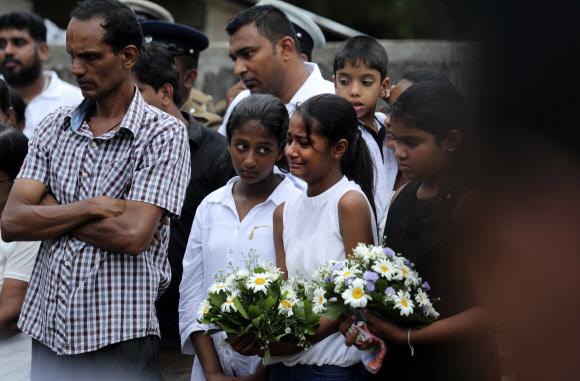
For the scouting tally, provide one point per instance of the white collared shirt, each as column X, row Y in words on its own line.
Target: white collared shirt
column 314, row 85
column 58, row 93
column 385, row 172
column 217, row 238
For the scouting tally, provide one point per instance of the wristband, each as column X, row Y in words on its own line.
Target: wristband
column 409, row 342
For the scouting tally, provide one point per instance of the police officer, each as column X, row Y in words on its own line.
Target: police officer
column 185, row 43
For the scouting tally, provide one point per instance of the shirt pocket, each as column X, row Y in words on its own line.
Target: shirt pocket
column 116, row 175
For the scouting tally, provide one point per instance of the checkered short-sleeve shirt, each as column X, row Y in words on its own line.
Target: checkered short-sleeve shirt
column 81, row 298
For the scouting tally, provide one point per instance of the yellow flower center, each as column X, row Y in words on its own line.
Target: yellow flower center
column 404, row 303
column 286, row 303
column 405, row 272
column 320, row 300
column 346, row 273
column 420, row 297
column 219, row 286
column 230, row 301
column 384, row 268
column 205, row 310
column 260, row 281
column 357, row 293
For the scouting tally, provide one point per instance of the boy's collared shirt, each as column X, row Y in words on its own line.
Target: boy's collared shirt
column 385, row 165
column 81, row 298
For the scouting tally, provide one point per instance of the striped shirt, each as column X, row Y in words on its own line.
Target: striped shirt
column 81, row 298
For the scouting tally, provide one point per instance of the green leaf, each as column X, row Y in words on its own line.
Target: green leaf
column 269, row 302
column 226, row 328
column 256, row 321
column 266, row 355
column 240, row 308
column 218, row 299
column 254, row 312
column 334, row 310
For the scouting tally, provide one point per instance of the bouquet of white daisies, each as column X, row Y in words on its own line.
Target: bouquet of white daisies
column 256, row 300
column 375, row 278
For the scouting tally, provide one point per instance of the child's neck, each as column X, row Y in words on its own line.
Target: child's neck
column 369, row 121
column 319, row 187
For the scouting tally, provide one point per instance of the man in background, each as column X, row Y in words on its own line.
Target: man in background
column 185, row 43
column 23, row 51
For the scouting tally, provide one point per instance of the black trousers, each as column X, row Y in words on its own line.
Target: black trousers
column 125, row 361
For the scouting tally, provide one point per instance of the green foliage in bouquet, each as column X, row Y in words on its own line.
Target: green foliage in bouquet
column 256, row 300
column 376, row 278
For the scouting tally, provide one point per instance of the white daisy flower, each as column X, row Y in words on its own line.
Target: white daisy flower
column 258, row 282
column 317, row 276
column 412, row 279
column 229, row 305
column 431, row 312
column 286, row 288
column 405, row 271
column 231, row 281
column 288, row 330
column 404, row 303
column 285, row 307
column 204, row 307
column 361, row 250
column 355, row 295
column 378, row 252
column 216, row 288
column 422, row 299
column 319, row 301
column 242, row 274
column 345, row 273
column 386, row 268
column 399, row 261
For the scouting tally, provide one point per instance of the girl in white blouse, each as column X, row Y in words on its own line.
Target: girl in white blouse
column 230, row 222
column 325, row 149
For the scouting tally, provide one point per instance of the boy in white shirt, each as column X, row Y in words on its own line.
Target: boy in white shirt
column 360, row 76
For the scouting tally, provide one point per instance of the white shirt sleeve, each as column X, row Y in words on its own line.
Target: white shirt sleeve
column 20, row 258
column 191, row 292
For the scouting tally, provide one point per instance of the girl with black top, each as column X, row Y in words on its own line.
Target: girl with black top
column 430, row 126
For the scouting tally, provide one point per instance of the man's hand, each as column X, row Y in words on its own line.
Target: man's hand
column 233, row 92
column 164, row 221
column 108, row 207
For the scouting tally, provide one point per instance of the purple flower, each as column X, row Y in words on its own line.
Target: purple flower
column 407, row 262
column 426, row 286
column 337, row 267
column 371, row 276
column 425, row 311
column 370, row 286
column 348, row 281
column 390, row 291
column 329, row 279
column 388, row 251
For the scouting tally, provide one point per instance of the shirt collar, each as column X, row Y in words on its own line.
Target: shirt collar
column 225, row 196
column 131, row 121
column 311, row 82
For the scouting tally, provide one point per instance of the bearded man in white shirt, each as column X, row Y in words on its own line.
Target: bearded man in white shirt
column 265, row 49
column 23, row 51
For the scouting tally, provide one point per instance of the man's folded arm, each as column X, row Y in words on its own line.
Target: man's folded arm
column 131, row 232
column 24, row 219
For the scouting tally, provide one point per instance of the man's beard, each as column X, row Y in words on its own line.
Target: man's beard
column 26, row 75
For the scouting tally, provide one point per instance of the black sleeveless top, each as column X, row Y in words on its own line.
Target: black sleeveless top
column 475, row 359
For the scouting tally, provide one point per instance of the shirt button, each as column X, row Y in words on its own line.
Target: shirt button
column 67, row 263
column 94, row 143
column 62, row 295
column 85, row 174
column 231, row 251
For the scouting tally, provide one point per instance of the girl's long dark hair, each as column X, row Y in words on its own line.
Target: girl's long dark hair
column 13, row 150
column 334, row 118
column 437, row 108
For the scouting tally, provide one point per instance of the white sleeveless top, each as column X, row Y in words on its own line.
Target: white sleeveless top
column 312, row 236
